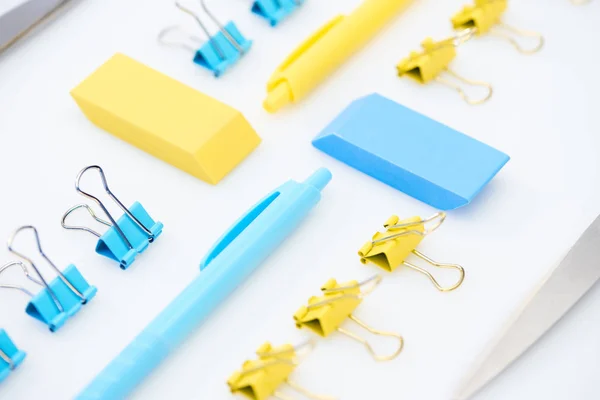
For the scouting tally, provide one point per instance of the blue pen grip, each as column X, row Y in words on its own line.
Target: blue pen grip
column 164, row 334
column 171, row 327
column 131, row 366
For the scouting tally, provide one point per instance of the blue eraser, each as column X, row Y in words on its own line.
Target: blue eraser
column 411, row 152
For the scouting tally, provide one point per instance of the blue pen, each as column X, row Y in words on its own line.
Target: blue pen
column 233, row 258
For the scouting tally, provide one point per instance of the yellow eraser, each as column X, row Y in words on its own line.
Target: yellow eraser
column 164, row 117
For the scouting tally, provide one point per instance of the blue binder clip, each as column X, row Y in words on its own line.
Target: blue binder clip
column 275, row 11
column 126, row 237
column 221, row 51
column 10, row 356
column 411, row 152
column 58, row 300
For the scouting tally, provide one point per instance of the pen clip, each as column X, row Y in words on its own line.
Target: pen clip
column 308, row 43
column 238, row 227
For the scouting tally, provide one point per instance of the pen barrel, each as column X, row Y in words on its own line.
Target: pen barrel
column 370, row 17
column 328, row 49
column 348, row 36
column 122, row 375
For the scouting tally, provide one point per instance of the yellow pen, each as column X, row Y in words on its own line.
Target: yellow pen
column 326, row 50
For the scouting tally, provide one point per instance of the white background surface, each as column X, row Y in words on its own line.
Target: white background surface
column 543, row 114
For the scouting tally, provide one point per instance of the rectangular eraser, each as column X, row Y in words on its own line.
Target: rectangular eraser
column 411, row 152
column 172, row 121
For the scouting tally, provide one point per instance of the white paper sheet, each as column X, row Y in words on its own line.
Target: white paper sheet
column 20, row 16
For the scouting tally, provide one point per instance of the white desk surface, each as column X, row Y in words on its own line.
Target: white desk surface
column 543, row 114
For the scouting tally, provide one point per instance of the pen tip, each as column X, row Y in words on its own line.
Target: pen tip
column 319, row 179
column 277, row 97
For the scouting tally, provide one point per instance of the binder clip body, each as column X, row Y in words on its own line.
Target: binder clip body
column 326, row 318
column 431, row 63
column 485, row 15
column 481, row 16
column 427, row 65
column 221, row 51
column 126, row 237
column 232, row 47
column 111, row 245
column 325, row 314
column 261, row 378
column 43, row 308
column 58, row 300
column 275, row 11
column 389, row 250
column 10, row 356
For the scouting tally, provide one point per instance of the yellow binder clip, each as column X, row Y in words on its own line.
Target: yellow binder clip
column 484, row 15
column 390, row 249
column 261, row 378
column 434, row 60
column 325, row 315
